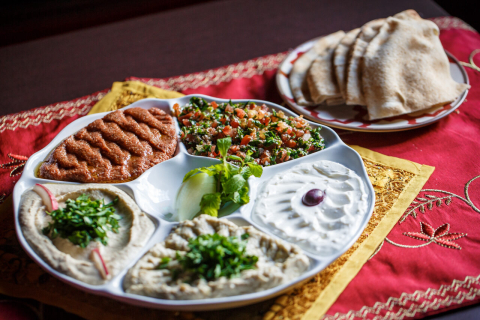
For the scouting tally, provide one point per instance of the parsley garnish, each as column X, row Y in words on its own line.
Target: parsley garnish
column 83, row 220
column 212, row 256
column 232, row 186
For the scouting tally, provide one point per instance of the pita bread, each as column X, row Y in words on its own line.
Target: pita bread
column 321, row 75
column 334, row 101
column 340, row 58
column 405, row 68
column 297, row 78
column 353, row 91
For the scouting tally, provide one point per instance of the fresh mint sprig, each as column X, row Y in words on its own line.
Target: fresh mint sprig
column 232, row 185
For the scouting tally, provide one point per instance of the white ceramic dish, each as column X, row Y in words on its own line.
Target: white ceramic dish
column 155, row 192
column 354, row 118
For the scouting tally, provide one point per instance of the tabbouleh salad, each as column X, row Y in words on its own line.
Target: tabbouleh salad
column 270, row 137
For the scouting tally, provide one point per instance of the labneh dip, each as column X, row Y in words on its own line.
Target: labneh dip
column 278, row 262
column 323, row 228
column 135, row 228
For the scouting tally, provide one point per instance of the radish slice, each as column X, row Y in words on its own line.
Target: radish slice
column 99, row 263
column 47, row 196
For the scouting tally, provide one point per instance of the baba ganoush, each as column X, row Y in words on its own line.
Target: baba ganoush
column 134, row 230
column 323, row 228
column 278, row 262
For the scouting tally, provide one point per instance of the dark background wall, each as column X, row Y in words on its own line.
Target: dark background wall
column 24, row 20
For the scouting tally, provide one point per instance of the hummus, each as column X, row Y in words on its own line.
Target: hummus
column 64, row 256
column 323, row 228
column 278, row 263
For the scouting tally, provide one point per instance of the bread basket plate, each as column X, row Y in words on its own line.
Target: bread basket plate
column 155, row 191
column 354, row 117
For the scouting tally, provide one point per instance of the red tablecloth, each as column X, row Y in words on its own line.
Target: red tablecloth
column 430, row 262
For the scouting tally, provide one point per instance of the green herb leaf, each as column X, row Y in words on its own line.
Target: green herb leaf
column 164, row 263
column 191, row 173
column 256, row 169
column 210, row 203
column 212, row 256
column 234, row 184
column 223, row 145
column 83, row 220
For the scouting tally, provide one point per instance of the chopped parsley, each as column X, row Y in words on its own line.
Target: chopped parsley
column 83, row 220
column 212, row 256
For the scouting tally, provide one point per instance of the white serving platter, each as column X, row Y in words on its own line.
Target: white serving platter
column 155, row 192
column 354, row 118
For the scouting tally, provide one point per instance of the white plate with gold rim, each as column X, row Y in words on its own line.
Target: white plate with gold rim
column 155, row 191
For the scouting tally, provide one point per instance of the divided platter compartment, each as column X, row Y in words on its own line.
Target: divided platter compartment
column 155, row 192
column 350, row 117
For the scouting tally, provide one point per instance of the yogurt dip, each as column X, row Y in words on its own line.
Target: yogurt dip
column 322, row 229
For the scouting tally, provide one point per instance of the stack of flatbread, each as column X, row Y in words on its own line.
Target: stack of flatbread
column 392, row 66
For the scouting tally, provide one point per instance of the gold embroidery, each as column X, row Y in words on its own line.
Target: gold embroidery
column 418, row 302
column 47, row 114
column 245, row 69
column 127, row 98
column 471, row 64
column 451, row 23
column 422, row 202
column 388, row 184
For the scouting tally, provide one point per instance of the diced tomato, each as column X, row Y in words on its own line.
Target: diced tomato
column 229, row 109
column 186, row 122
column 291, row 143
column 199, row 115
column 220, row 135
column 285, row 137
column 234, row 133
column 214, row 105
column 246, row 140
column 182, row 134
column 187, row 116
column 240, row 113
column 223, row 120
column 176, row 108
column 214, row 124
column 312, row 148
column 283, row 155
column 234, row 149
column 227, row 130
column 265, row 157
column 289, row 130
column 241, row 154
column 234, row 123
column 190, row 137
column 251, row 106
column 265, row 121
column 299, row 133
